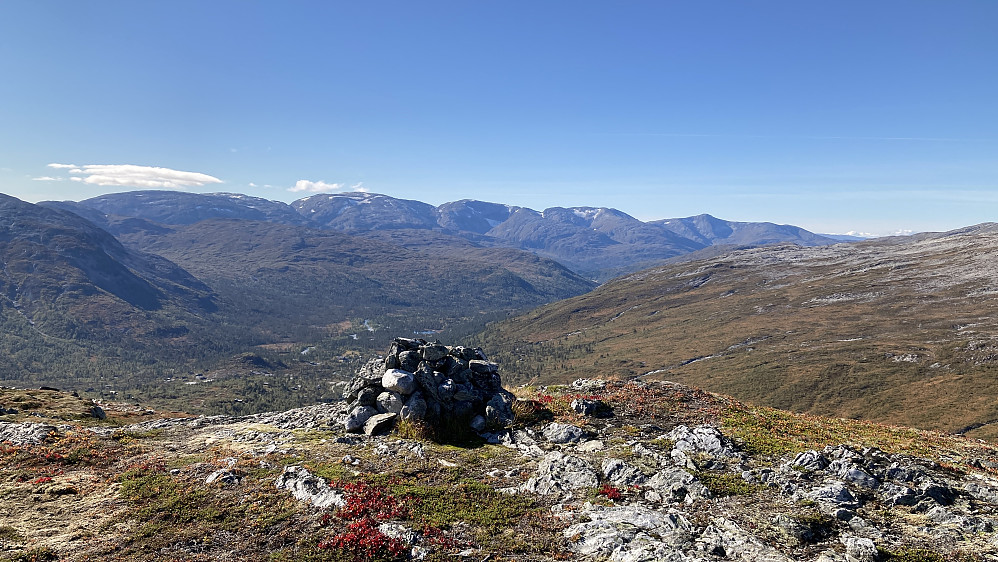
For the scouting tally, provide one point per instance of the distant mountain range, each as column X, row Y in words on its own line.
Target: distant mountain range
column 598, row 243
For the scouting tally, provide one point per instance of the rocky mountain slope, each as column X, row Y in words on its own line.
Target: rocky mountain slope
column 594, row 470
column 597, row 242
column 899, row 330
column 67, row 285
column 284, row 279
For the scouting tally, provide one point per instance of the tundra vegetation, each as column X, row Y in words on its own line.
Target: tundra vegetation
column 657, row 466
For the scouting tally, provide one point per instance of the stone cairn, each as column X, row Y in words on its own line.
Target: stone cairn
column 446, row 388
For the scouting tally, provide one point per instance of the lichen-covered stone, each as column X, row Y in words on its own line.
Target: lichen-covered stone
column 390, row 403
column 399, row 381
column 358, row 417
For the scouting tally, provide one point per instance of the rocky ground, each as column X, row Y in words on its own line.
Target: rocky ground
column 595, row 470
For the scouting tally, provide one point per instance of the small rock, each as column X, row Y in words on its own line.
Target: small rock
column 379, row 423
column 409, row 360
column 810, row 460
column 860, row 549
column 894, row 494
column 673, row 484
column 557, row 473
column 482, row 367
column 561, row 433
column 224, row 477
column 499, row 410
column 588, row 385
column 701, row 440
column 434, row 352
column 357, row 418
column 590, row 446
column 833, row 492
column 25, row 433
column 307, row 487
column 389, row 403
column 398, row 531
column 942, row 494
column 630, row 533
column 621, row 474
column 592, row 408
column 367, row 396
column 397, row 380
column 414, row 409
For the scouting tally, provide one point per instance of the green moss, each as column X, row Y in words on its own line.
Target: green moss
column 10, row 534
column 909, row 555
column 726, row 484
column 39, row 554
column 126, row 436
column 162, row 498
column 173, row 511
column 766, row 431
column 330, row 470
column 469, row 501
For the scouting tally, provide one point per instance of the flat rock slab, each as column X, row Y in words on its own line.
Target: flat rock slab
column 25, row 433
column 379, row 423
column 309, row 488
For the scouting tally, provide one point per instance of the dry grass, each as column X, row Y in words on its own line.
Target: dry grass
column 884, row 332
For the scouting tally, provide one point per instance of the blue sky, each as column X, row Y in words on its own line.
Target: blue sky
column 836, row 116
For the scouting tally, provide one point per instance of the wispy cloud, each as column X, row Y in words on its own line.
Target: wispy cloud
column 48, row 178
column 306, row 186
column 130, row 175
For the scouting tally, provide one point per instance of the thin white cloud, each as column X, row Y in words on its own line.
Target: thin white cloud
column 130, row 175
column 359, row 186
column 306, row 186
column 47, row 178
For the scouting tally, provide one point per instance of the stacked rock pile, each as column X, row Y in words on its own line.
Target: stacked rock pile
column 445, row 387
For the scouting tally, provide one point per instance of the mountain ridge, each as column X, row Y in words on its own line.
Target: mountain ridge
column 598, row 242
